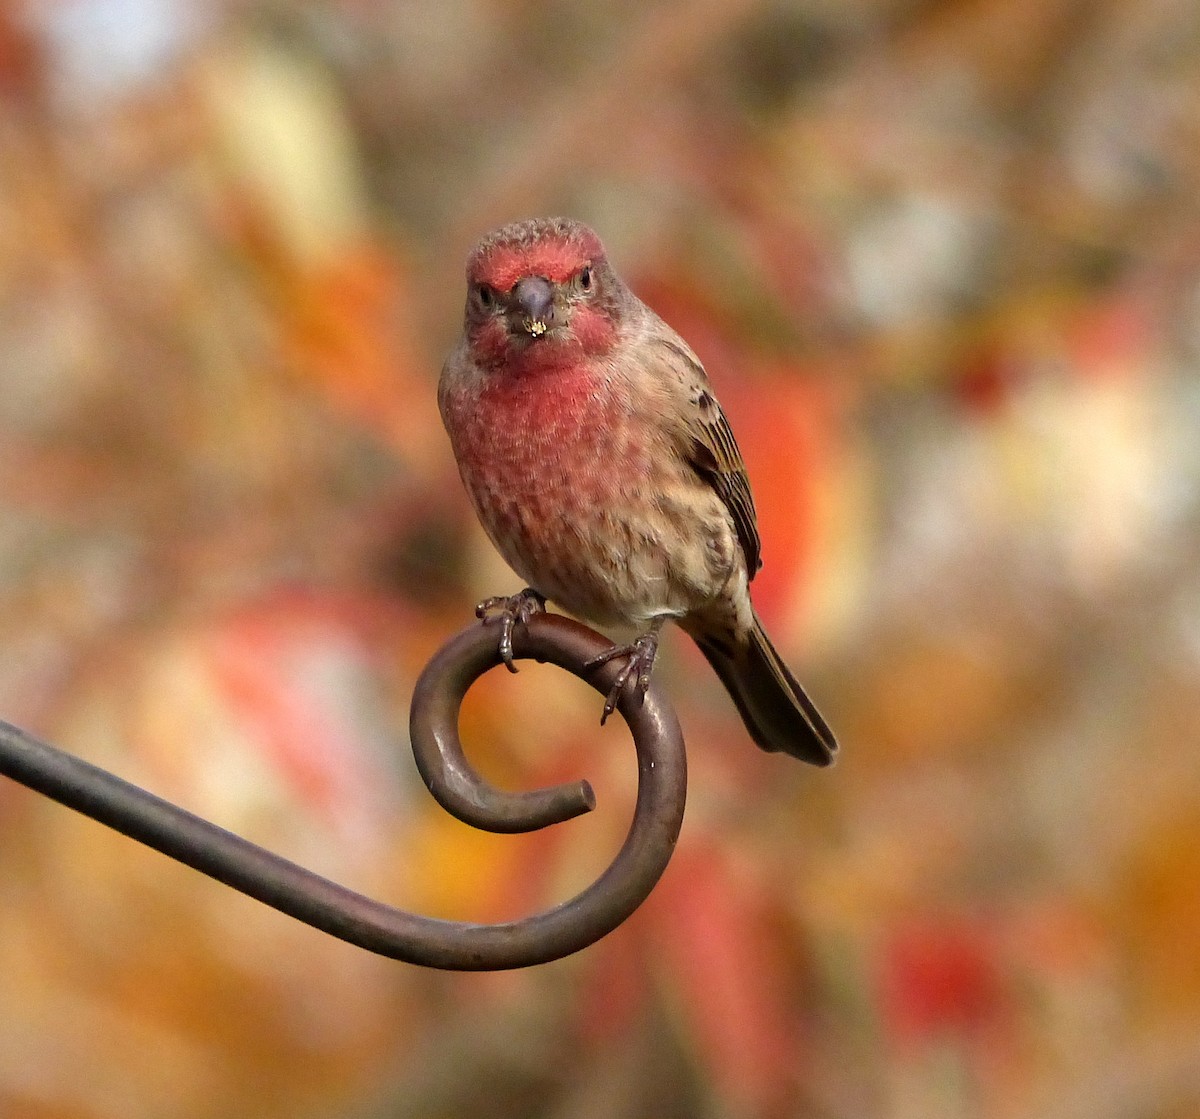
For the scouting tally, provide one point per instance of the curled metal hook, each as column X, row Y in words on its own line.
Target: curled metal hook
column 371, row 924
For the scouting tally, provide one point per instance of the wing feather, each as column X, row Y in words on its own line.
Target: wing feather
column 712, row 450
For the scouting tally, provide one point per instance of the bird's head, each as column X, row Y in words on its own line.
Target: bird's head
column 541, row 292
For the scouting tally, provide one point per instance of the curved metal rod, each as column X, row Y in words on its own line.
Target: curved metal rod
column 433, row 726
column 373, row 925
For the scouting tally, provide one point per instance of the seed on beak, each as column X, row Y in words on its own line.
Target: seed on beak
column 535, row 296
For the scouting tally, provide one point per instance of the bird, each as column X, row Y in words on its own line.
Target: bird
column 604, row 470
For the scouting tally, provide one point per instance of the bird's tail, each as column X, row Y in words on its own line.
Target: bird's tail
column 770, row 700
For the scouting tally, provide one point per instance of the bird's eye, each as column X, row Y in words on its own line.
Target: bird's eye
column 585, row 278
column 485, row 295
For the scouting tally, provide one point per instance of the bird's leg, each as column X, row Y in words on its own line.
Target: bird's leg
column 641, row 654
column 508, row 609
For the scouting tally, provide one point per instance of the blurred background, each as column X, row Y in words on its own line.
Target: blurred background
column 942, row 258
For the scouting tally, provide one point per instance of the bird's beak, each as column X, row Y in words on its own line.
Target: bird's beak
column 533, row 299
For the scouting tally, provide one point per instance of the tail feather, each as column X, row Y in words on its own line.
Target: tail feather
column 778, row 714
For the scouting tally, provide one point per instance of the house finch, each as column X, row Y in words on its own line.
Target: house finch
column 605, row 472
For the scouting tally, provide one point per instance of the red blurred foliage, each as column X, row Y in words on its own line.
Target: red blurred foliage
column 940, row 979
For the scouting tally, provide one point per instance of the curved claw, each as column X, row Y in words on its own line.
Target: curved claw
column 641, row 655
column 508, row 610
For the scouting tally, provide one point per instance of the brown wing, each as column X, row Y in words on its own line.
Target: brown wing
column 714, row 453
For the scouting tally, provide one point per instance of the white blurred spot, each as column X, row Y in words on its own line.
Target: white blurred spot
column 108, row 48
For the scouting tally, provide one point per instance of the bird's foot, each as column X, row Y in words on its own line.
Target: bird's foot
column 641, row 654
column 508, row 610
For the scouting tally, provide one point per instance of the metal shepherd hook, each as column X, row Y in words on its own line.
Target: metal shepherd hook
column 433, row 725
